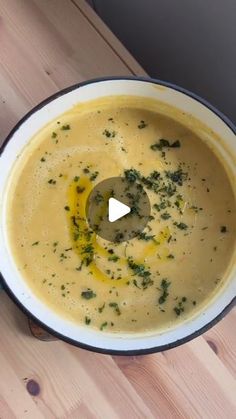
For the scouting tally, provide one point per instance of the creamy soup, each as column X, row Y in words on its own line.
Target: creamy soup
column 168, row 272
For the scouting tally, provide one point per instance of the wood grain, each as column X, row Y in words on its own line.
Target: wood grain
column 46, row 45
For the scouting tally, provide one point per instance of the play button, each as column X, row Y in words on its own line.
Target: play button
column 118, row 210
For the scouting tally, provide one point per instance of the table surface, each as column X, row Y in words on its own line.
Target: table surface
column 46, row 45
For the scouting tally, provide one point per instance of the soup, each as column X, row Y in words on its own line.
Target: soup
column 168, row 272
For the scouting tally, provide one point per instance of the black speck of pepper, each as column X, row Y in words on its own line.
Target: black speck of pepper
column 35, row 244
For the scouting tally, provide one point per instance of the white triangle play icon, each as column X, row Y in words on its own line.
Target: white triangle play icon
column 117, row 210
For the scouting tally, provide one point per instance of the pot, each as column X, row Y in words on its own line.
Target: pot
column 14, row 283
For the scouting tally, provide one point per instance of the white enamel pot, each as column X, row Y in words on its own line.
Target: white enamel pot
column 14, row 283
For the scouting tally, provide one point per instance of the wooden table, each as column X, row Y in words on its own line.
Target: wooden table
column 46, row 45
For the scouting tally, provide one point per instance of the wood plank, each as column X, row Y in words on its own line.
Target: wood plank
column 46, row 46
column 67, row 376
column 222, row 340
column 188, row 381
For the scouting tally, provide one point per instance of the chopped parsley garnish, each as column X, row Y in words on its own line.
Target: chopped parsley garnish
column 113, row 258
column 98, row 198
column 52, row 182
column 116, row 308
column 141, row 271
column 66, row 208
column 87, row 295
column 165, row 144
column 65, row 127
column 35, row 244
column 43, row 159
column 54, row 134
column 162, row 205
column 80, row 189
column 100, row 309
column 178, row 176
column 165, row 216
column 179, row 308
column 119, row 237
column 142, row 124
column 76, row 178
column 88, row 251
column 94, row 176
column 223, row 229
column 109, row 134
column 144, row 236
column 164, row 288
column 181, row 226
column 132, row 175
column 87, row 320
column 103, row 325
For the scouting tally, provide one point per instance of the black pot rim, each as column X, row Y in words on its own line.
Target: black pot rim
column 39, row 322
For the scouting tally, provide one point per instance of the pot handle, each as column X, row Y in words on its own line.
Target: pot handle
column 35, row 329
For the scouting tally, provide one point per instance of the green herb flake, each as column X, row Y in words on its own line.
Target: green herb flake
column 144, row 236
column 165, row 216
column 164, row 288
column 181, row 226
column 100, row 309
column 179, row 308
column 177, row 176
column 87, row 320
column 35, row 244
column 109, row 134
column 88, row 294
column 94, row 176
column 223, row 229
column 116, row 308
column 113, row 258
column 80, row 189
column 54, row 134
column 65, row 127
column 142, row 124
column 98, row 198
column 165, row 144
column 141, row 271
column 103, row 325
column 52, row 182
column 66, row 208
column 132, row 175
